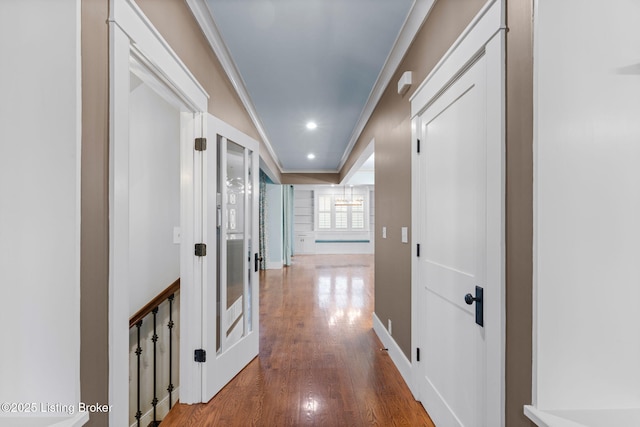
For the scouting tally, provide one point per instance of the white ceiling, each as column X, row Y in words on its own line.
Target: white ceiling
column 304, row 60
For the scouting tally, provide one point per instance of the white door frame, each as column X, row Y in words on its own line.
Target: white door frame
column 485, row 35
column 134, row 43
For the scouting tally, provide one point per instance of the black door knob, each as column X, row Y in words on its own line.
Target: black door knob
column 469, row 299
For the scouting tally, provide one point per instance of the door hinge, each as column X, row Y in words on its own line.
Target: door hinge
column 418, row 145
column 201, row 144
column 201, row 249
column 418, row 249
column 417, row 354
column 200, row 355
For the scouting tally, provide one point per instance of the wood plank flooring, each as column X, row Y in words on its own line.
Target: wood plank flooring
column 320, row 362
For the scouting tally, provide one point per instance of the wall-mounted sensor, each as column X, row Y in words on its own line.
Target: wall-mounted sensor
column 404, row 83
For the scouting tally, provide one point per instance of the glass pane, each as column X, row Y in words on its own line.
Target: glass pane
column 219, row 241
column 357, row 220
column 324, row 203
column 250, row 239
column 324, row 220
column 341, row 219
column 235, row 188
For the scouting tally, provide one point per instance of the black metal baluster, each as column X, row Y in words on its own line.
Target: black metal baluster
column 154, row 338
column 170, row 326
column 138, row 353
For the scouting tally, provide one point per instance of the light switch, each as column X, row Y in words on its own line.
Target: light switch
column 405, row 234
column 384, row 232
column 176, row 235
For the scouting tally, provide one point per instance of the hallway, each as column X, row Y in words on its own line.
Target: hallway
column 320, row 361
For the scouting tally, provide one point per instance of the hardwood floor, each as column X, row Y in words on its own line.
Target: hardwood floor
column 320, row 362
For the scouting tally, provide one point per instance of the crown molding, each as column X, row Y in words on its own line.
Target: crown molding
column 203, row 16
column 416, row 17
column 305, row 171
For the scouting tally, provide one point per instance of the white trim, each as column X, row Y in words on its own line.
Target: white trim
column 484, row 36
column 147, row 39
column 77, row 302
column 118, row 226
column 397, row 356
column 543, row 419
column 274, row 265
column 416, row 186
column 204, row 17
column 132, row 34
column 416, row 17
column 77, row 420
column 463, row 51
column 583, row 417
column 268, row 171
column 162, row 410
column 364, row 156
column 306, row 171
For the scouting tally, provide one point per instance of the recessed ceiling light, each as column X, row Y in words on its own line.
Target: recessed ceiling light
column 311, row 156
column 311, row 125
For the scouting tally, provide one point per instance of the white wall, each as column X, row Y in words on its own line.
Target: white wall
column 40, row 112
column 154, row 194
column 273, row 225
column 587, row 215
column 305, row 235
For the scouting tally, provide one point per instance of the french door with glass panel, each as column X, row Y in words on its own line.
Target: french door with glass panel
column 230, row 291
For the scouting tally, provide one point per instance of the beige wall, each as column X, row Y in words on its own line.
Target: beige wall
column 390, row 126
column 94, row 258
column 176, row 23
column 519, row 209
column 310, row 178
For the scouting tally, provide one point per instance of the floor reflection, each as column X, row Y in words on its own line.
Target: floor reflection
column 340, row 291
column 320, row 361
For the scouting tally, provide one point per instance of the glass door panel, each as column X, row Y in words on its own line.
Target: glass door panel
column 233, row 291
column 230, row 297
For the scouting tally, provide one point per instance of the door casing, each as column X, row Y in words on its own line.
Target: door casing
column 134, row 42
column 485, row 35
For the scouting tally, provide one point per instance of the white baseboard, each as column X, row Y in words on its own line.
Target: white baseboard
column 76, row 420
column 79, row 419
column 274, row 265
column 397, row 356
column 161, row 410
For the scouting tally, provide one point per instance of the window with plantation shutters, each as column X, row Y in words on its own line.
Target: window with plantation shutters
column 324, row 212
column 340, row 210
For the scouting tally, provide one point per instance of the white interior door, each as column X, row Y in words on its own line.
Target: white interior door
column 453, row 259
column 230, row 295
